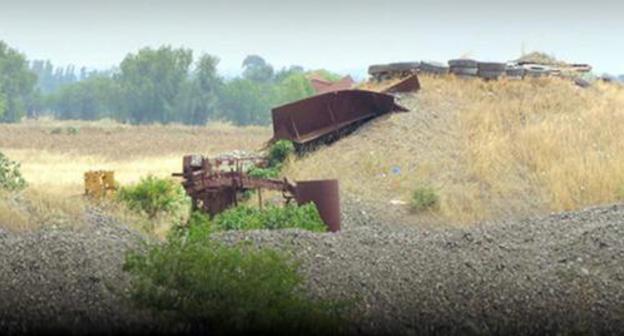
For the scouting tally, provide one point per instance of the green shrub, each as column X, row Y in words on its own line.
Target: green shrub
column 271, row 172
column 10, row 176
column 424, row 198
column 154, row 196
column 272, row 217
column 279, row 152
column 72, row 130
column 56, row 130
column 232, row 290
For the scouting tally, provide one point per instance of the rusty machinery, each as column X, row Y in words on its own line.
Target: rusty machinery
column 217, row 184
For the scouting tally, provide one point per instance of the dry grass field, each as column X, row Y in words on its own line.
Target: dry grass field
column 55, row 162
column 491, row 150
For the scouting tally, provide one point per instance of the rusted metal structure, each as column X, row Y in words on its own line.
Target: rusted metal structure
column 215, row 185
column 324, row 118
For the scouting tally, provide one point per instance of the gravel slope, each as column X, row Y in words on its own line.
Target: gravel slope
column 67, row 280
column 557, row 274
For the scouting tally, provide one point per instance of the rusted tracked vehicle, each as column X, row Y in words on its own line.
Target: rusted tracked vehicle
column 323, row 118
column 215, row 185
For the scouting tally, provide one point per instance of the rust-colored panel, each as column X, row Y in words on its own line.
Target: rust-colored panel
column 407, row 84
column 308, row 119
column 325, row 195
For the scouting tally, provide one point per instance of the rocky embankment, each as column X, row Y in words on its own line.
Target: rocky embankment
column 557, row 274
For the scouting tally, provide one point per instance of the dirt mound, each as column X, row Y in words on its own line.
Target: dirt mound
column 489, row 149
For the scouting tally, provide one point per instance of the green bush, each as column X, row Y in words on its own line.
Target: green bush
column 271, row 172
column 424, row 198
column 279, row 152
column 72, row 130
column 10, row 176
column 210, row 286
column 272, row 217
column 154, row 196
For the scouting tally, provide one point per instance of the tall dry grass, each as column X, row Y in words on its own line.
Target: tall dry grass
column 490, row 149
column 55, row 163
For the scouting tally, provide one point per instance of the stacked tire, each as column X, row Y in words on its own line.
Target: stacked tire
column 464, row 68
column 386, row 71
column 514, row 72
column 433, row 68
column 491, row 71
column 533, row 70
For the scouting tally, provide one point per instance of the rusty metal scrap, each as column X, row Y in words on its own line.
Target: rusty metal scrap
column 216, row 185
column 309, row 119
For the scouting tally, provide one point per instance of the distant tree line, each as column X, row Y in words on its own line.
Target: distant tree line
column 161, row 85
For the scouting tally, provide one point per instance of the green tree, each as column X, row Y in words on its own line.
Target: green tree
column 91, row 99
column 151, row 81
column 246, row 102
column 17, row 83
column 293, row 87
column 256, row 69
column 197, row 101
column 2, row 104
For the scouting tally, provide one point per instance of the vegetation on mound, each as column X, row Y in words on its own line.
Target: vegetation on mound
column 207, row 285
column 424, row 198
column 272, row 217
column 278, row 153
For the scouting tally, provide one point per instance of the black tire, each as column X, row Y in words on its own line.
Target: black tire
column 485, row 66
column 462, row 63
column 378, row 69
column 404, row 66
column 582, row 83
column 515, row 72
column 537, row 71
column 433, row 68
column 490, row 74
column 464, row 71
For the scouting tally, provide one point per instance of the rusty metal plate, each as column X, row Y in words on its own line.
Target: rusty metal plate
column 326, row 196
column 311, row 118
column 407, row 84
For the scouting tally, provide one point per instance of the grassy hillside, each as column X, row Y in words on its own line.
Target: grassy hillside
column 488, row 149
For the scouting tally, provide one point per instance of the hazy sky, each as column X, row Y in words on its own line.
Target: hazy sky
column 338, row 35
